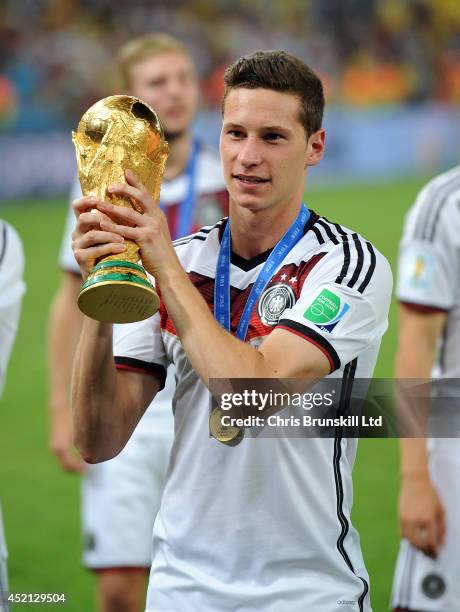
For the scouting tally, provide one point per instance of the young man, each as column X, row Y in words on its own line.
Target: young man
column 121, row 497
column 263, row 524
column 427, row 574
column 12, row 289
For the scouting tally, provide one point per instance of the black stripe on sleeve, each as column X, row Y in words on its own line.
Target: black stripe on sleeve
column 315, row 338
column 328, row 230
column 433, row 206
column 339, row 228
column 425, row 209
column 137, row 365
column 198, row 237
column 201, row 234
column 371, row 269
column 346, row 262
column 359, row 265
column 436, row 219
column 318, row 234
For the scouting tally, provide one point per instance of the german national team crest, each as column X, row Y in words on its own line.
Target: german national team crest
column 274, row 301
column 433, row 586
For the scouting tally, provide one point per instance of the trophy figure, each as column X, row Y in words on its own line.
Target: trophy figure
column 118, row 133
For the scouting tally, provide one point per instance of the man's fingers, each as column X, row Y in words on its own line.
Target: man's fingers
column 90, row 254
column 430, row 552
column 73, row 465
column 425, row 538
column 71, row 462
column 137, row 197
column 87, row 221
column 84, row 204
column 123, row 231
column 134, row 180
column 127, row 216
column 96, row 237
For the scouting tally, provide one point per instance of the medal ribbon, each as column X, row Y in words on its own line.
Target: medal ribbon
column 222, row 282
column 184, row 223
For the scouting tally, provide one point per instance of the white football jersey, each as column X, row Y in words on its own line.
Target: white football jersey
column 211, row 204
column 429, row 262
column 428, row 281
column 12, row 288
column 265, row 524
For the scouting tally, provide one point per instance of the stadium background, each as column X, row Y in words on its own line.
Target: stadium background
column 392, row 75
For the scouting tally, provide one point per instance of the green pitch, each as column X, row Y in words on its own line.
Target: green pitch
column 40, row 502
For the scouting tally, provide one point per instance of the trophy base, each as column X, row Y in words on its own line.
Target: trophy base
column 118, row 291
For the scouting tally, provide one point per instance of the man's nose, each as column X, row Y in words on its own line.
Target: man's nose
column 175, row 87
column 249, row 154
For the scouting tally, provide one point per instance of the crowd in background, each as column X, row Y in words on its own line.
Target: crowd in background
column 56, row 55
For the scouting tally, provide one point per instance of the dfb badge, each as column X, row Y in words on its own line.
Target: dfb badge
column 433, row 586
column 274, row 301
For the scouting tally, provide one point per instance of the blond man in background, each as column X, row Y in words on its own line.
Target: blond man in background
column 120, row 498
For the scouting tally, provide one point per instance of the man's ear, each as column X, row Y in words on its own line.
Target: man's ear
column 315, row 147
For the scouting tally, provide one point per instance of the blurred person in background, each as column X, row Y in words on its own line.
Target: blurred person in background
column 120, row 498
column 12, row 288
column 427, row 576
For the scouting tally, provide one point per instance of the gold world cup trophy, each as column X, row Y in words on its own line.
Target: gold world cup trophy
column 118, row 133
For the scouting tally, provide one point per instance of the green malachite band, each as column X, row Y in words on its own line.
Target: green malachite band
column 117, row 263
column 127, row 278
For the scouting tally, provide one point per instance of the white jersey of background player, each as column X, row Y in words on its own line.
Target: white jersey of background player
column 12, row 288
column 120, row 498
column 427, row 574
column 264, row 524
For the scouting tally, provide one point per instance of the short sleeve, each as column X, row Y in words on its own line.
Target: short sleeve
column 342, row 321
column 66, row 257
column 428, row 267
column 139, row 347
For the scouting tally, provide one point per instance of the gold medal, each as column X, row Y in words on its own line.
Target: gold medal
column 222, row 433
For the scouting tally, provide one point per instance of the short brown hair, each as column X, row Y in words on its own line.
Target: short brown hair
column 142, row 47
column 280, row 71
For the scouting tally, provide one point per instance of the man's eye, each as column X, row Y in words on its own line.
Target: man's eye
column 273, row 136
column 236, row 133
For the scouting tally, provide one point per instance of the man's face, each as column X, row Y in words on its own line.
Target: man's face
column 264, row 148
column 168, row 83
